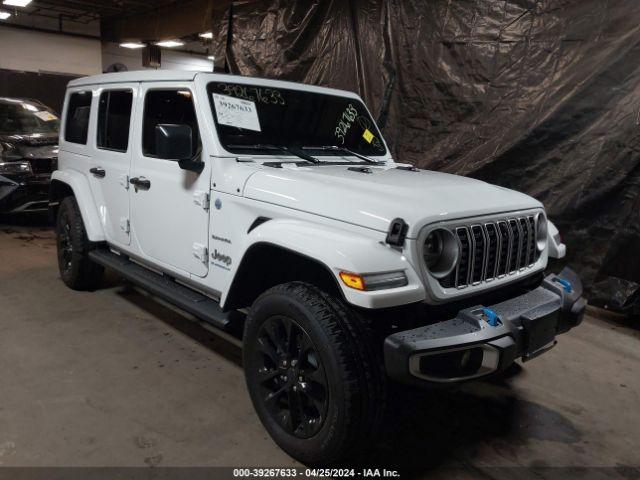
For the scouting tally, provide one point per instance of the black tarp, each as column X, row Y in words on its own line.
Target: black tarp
column 538, row 96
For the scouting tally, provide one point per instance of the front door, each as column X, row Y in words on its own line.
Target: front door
column 169, row 219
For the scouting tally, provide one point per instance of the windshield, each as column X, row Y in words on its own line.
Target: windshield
column 253, row 115
column 20, row 117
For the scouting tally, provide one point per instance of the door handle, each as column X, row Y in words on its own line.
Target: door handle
column 140, row 182
column 98, row 172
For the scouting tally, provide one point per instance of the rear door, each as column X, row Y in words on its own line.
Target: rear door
column 169, row 216
column 111, row 159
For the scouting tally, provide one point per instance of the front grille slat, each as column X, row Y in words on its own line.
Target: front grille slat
column 533, row 258
column 478, row 249
column 492, row 250
column 463, row 270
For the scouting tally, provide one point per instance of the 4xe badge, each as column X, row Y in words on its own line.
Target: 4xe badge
column 218, row 204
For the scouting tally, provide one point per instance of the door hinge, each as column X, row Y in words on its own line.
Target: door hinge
column 201, row 199
column 124, row 224
column 200, row 252
column 124, row 181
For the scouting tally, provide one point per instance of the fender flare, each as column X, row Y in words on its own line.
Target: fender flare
column 340, row 250
column 79, row 184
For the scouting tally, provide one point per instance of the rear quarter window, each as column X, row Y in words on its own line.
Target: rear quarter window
column 77, row 119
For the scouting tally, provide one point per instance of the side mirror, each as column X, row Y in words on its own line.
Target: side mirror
column 173, row 142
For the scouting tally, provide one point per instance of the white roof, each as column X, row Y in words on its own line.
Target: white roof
column 135, row 76
column 182, row 75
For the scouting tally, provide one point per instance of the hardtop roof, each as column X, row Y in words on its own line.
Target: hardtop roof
column 181, row 75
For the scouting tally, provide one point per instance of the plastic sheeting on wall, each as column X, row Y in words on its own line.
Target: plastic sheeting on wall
column 538, row 96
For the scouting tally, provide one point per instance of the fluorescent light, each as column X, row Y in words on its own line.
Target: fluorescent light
column 170, row 43
column 211, row 57
column 4, row 15
column 206, row 35
column 132, row 45
column 17, row 3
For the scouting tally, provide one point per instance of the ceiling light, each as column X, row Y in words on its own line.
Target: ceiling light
column 206, row 35
column 170, row 43
column 4, row 15
column 132, row 45
column 17, row 3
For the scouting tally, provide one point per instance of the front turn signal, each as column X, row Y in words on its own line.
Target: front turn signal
column 352, row 280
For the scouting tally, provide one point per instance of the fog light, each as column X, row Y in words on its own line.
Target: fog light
column 455, row 364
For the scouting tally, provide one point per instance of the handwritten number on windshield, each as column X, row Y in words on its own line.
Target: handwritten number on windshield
column 344, row 122
column 269, row 96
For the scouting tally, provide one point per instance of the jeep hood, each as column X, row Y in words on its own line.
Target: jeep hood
column 372, row 200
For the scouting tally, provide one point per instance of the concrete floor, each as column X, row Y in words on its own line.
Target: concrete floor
column 114, row 378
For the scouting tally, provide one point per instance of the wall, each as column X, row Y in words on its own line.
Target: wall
column 171, row 59
column 540, row 96
column 33, row 51
column 46, row 87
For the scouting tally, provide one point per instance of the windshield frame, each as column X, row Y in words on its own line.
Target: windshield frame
column 250, row 82
column 41, row 107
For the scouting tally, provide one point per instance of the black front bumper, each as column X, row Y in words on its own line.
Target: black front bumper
column 481, row 340
column 24, row 194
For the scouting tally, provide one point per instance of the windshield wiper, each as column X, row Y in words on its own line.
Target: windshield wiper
column 282, row 148
column 335, row 148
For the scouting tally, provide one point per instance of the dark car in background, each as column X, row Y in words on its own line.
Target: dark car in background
column 28, row 154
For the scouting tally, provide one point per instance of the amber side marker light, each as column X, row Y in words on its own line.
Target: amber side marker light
column 374, row 281
column 352, row 280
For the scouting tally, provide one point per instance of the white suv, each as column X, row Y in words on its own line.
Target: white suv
column 276, row 210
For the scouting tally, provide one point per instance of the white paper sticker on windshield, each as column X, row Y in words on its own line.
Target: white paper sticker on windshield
column 236, row 112
column 46, row 116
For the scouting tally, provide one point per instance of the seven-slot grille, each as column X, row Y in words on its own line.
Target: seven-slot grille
column 493, row 249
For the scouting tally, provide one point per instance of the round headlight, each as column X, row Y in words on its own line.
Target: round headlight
column 440, row 252
column 541, row 232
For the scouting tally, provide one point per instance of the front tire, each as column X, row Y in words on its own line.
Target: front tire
column 76, row 268
column 314, row 374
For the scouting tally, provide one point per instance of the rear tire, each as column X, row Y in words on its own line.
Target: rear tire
column 314, row 374
column 77, row 270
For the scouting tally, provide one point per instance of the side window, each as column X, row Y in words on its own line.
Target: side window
column 77, row 123
column 167, row 107
column 114, row 117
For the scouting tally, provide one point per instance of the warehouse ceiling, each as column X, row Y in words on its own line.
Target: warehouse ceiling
column 87, row 11
column 123, row 20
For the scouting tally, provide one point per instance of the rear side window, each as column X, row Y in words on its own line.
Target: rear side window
column 167, row 107
column 114, row 117
column 77, row 123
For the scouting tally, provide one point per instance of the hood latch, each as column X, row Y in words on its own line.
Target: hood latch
column 397, row 232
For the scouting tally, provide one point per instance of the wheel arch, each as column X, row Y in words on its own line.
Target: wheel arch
column 269, row 258
column 65, row 184
column 326, row 251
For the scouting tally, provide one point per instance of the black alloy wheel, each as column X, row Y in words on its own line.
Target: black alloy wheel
column 77, row 270
column 314, row 371
column 65, row 244
column 292, row 378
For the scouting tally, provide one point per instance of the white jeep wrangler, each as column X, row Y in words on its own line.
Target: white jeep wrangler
column 275, row 209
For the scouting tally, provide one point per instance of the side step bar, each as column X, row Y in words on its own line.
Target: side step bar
column 164, row 287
